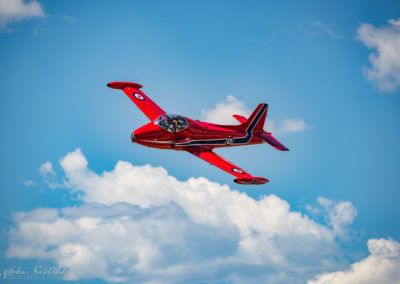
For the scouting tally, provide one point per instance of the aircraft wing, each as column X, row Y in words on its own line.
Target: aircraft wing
column 144, row 103
column 208, row 155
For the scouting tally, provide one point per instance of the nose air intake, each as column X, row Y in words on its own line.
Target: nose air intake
column 133, row 138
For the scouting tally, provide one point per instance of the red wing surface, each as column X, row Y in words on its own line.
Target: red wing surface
column 144, row 103
column 243, row 177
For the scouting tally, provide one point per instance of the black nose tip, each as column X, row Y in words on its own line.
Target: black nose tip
column 133, row 137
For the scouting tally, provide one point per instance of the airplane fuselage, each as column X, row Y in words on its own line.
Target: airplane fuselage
column 198, row 133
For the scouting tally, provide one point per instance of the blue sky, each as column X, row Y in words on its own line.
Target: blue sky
column 309, row 61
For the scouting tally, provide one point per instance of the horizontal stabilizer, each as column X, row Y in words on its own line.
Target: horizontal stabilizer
column 240, row 118
column 267, row 137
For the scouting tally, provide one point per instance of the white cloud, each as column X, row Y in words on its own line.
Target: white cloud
column 137, row 223
column 339, row 215
column 223, row 111
column 75, row 161
column 68, row 18
column 28, row 183
column 287, row 125
column 381, row 266
column 325, row 202
column 324, row 28
column 385, row 70
column 46, row 169
column 318, row 28
column 342, row 215
column 17, row 10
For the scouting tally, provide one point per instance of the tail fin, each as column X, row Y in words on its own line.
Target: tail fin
column 256, row 123
column 256, row 120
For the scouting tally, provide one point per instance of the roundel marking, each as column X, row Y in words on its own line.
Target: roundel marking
column 229, row 141
column 239, row 171
column 138, row 96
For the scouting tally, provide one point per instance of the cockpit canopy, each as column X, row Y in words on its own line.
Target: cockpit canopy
column 171, row 122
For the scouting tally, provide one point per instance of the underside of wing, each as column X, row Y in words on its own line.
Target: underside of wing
column 144, row 103
column 243, row 177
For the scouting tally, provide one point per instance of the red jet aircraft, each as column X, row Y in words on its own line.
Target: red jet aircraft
column 176, row 132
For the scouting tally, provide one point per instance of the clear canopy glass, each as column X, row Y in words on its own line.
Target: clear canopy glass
column 171, row 122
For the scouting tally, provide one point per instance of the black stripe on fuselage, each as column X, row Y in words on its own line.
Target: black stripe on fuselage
column 240, row 140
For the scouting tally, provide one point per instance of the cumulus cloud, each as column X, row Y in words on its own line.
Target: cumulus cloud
column 17, row 10
column 325, row 202
column 287, row 125
column 223, row 111
column 138, row 223
column 338, row 214
column 46, row 169
column 381, row 266
column 342, row 215
column 385, row 70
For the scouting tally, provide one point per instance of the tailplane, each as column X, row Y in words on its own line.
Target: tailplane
column 271, row 140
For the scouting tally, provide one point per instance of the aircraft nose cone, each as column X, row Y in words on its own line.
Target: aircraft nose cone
column 146, row 132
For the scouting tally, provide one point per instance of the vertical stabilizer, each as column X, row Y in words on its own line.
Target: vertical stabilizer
column 256, row 120
column 255, row 123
